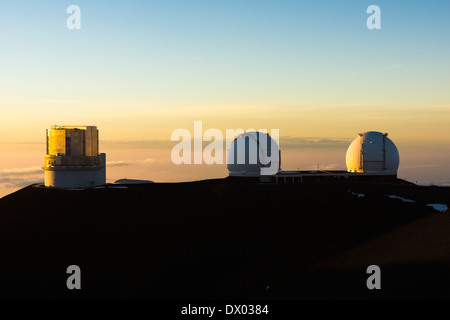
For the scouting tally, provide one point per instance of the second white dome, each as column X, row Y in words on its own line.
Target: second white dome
column 373, row 152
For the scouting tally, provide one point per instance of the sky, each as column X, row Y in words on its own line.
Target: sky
column 138, row 70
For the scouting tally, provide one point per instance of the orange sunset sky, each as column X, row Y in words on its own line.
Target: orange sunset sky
column 139, row 71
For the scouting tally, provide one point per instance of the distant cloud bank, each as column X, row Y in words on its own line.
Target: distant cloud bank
column 20, row 177
column 286, row 142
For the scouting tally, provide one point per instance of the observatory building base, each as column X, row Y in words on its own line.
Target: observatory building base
column 318, row 176
column 76, row 176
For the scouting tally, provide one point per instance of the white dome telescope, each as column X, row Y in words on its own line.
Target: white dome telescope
column 253, row 154
column 373, row 152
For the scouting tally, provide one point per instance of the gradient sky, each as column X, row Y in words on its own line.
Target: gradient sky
column 141, row 69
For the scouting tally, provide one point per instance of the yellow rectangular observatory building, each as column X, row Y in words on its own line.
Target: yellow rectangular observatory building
column 73, row 159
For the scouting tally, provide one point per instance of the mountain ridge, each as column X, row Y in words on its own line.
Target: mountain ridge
column 215, row 239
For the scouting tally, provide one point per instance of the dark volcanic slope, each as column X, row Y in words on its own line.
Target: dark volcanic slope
column 224, row 239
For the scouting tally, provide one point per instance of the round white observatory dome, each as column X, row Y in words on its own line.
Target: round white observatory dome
column 252, row 151
column 373, row 152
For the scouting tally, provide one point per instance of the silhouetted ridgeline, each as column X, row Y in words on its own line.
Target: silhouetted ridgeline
column 225, row 239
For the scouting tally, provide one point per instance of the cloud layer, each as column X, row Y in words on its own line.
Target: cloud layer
column 286, row 142
column 20, row 177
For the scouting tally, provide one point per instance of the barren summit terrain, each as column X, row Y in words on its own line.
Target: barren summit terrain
column 226, row 239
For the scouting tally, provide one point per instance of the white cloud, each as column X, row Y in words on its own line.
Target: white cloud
column 20, row 177
column 122, row 163
column 21, row 171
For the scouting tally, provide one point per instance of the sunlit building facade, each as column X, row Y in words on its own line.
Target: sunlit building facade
column 73, row 159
